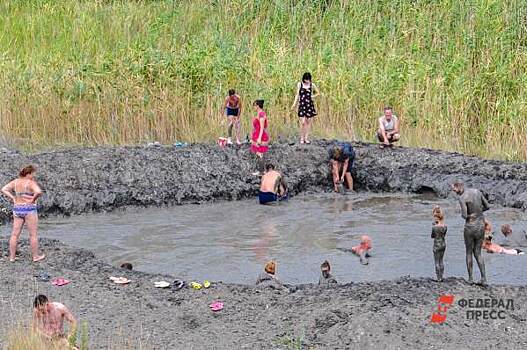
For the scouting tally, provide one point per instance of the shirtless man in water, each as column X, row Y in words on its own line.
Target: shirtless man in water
column 48, row 321
column 273, row 187
column 473, row 204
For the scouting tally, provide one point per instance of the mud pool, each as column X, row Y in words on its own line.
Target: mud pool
column 230, row 241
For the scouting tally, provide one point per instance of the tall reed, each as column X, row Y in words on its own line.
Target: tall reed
column 122, row 72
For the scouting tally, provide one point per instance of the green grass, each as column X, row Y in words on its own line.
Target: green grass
column 122, row 72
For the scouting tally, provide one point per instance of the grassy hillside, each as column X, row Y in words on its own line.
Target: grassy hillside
column 120, row 72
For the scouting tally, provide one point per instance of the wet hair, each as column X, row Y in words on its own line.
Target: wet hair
column 337, row 152
column 269, row 166
column 232, row 92
column 28, row 169
column 306, row 76
column 488, row 229
column 437, row 213
column 506, row 229
column 388, row 108
column 270, row 267
column 259, row 103
column 40, row 300
column 325, row 266
column 459, row 184
column 127, row 266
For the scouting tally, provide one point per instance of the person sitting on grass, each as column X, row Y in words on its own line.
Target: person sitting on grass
column 326, row 278
column 273, row 187
column 48, row 321
column 341, row 157
column 388, row 132
column 268, row 277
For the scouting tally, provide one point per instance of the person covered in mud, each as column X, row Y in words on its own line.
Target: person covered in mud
column 492, row 247
column 473, row 204
column 127, row 266
column 260, row 136
column 306, row 91
column 439, row 230
column 326, row 278
column 24, row 192
column 233, row 110
column 273, row 188
column 388, row 132
column 341, row 157
column 513, row 239
column 268, row 277
column 48, row 321
column 363, row 250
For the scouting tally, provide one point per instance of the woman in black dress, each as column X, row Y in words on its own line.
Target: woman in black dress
column 305, row 92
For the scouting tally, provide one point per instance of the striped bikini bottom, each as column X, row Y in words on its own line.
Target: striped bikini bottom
column 23, row 210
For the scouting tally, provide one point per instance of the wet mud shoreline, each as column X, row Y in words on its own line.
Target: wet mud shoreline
column 372, row 315
column 102, row 179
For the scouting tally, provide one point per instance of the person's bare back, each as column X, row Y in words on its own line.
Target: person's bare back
column 269, row 181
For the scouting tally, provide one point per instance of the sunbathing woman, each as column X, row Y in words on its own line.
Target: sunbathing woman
column 439, row 230
column 363, row 249
column 24, row 193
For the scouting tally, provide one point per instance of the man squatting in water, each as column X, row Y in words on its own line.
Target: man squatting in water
column 473, row 204
column 273, row 187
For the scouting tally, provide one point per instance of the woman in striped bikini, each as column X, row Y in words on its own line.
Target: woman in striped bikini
column 24, row 192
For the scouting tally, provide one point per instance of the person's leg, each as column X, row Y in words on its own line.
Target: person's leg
column 32, row 226
column 229, row 128
column 478, row 242
column 18, row 223
column 394, row 138
column 438, row 260
column 379, row 136
column 469, row 248
column 307, row 130
column 237, row 129
column 335, row 172
column 302, row 129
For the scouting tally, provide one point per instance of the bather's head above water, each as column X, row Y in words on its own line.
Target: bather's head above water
column 270, row 267
column 506, row 230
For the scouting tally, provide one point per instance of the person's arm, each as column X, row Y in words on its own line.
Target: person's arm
column 344, row 169
column 37, row 192
column 484, row 203
column 239, row 106
column 7, row 190
column 225, row 104
column 383, row 131
column 316, row 92
column 72, row 321
column 464, row 209
column 261, row 120
column 283, row 184
column 433, row 235
column 296, row 96
column 396, row 127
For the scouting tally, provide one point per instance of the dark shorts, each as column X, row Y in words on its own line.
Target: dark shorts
column 270, row 197
column 232, row 112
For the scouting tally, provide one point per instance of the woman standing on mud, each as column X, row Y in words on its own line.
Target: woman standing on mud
column 260, row 136
column 439, row 229
column 24, row 192
column 305, row 92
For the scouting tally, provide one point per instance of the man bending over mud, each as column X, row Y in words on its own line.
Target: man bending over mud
column 273, row 187
column 48, row 321
column 473, row 204
column 341, row 157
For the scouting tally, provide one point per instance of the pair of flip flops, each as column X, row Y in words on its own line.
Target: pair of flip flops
column 197, row 285
column 216, row 306
column 43, row 276
column 120, row 280
column 178, row 285
column 162, row 284
column 59, row 281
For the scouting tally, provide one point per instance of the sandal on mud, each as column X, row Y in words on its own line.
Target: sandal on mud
column 59, row 281
column 206, row 284
column 120, row 280
column 43, row 276
column 178, row 284
column 196, row 285
column 216, row 306
column 161, row 284
column 39, row 258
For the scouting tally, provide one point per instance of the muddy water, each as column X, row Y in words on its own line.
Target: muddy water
column 230, row 241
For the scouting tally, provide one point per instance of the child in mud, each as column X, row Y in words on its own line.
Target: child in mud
column 233, row 110
column 268, row 277
column 260, row 136
column 491, row 247
column 363, row 249
column 439, row 230
column 326, row 277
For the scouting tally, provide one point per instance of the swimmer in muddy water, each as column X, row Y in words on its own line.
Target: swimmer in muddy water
column 341, row 157
column 513, row 239
column 127, row 266
column 326, row 278
column 233, row 110
column 492, row 247
column 273, row 188
column 24, row 192
column 268, row 277
column 388, row 132
column 48, row 321
column 363, row 249
column 439, row 230
column 473, row 204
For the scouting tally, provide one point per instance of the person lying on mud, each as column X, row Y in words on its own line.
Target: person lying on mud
column 48, row 321
column 388, row 131
column 24, row 192
column 341, row 157
column 492, row 247
column 233, row 110
column 268, row 277
column 363, row 249
column 326, row 278
column 473, row 204
column 439, row 230
column 512, row 239
column 273, row 188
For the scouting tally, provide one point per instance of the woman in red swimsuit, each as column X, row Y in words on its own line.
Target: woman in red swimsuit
column 260, row 136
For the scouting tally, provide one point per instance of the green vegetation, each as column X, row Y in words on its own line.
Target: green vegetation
column 121, row 72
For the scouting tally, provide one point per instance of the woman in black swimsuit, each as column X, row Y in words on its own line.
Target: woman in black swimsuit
column 305, row 92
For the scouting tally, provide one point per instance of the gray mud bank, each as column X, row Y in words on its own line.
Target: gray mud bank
column 376, row 315
column 101, row 179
